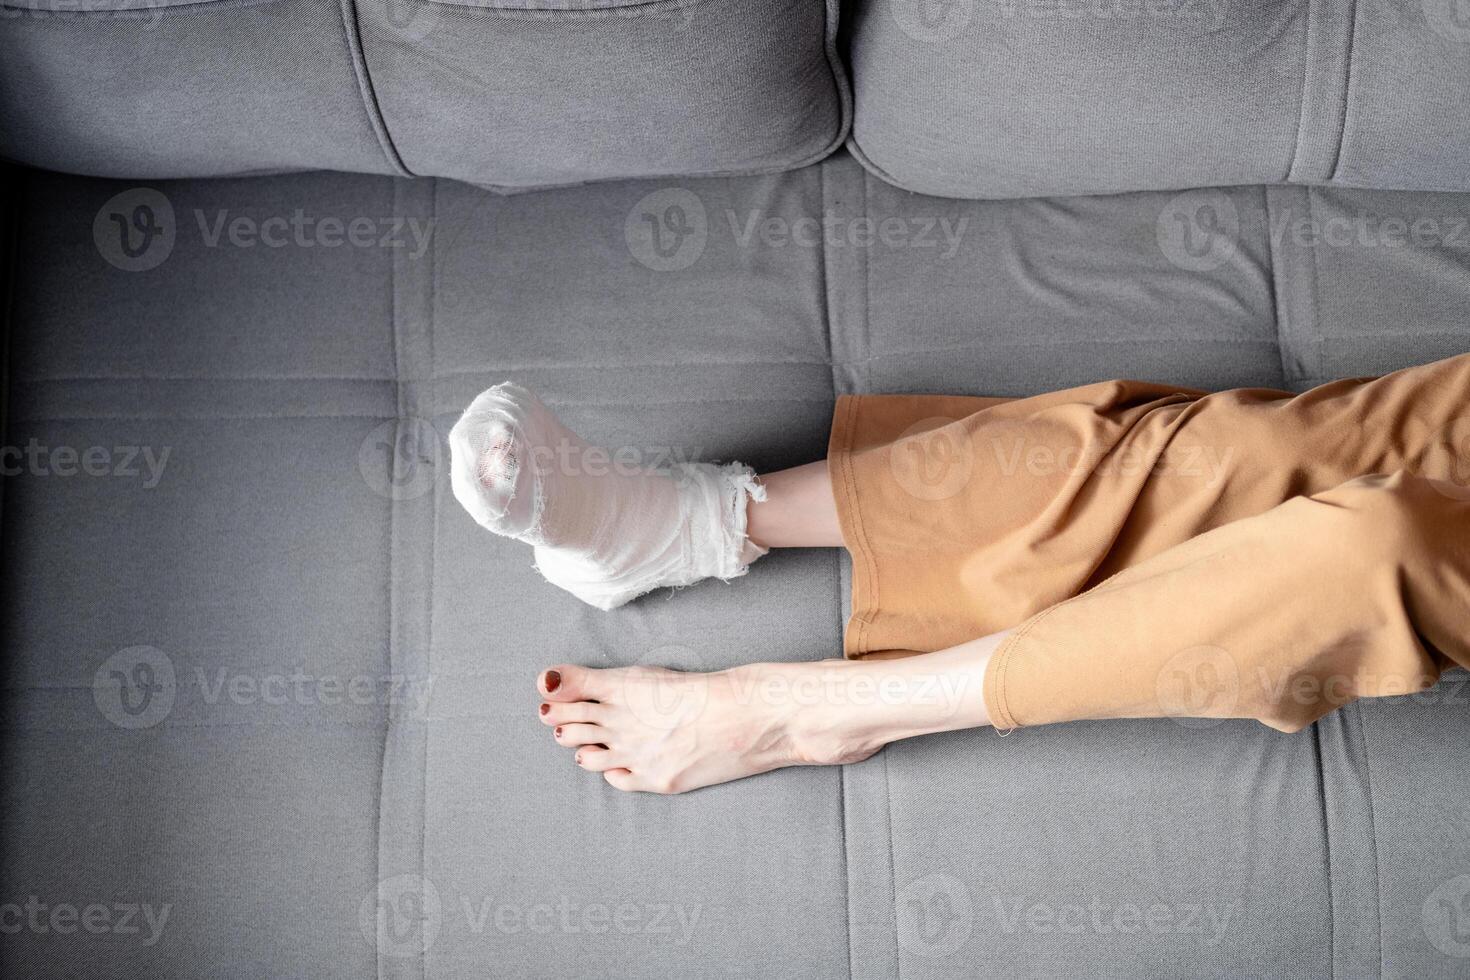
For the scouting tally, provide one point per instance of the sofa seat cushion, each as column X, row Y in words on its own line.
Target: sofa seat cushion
column 262, row 669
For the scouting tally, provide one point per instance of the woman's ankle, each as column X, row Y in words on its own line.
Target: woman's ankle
column 840, row 711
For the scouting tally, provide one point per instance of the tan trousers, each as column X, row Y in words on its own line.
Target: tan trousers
column 1166, row 552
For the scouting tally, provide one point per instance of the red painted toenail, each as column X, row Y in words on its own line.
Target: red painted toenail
column 553, row 680
column 545, row 708
column 557, row 732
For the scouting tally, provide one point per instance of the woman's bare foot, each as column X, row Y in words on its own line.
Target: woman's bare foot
column 665, row 731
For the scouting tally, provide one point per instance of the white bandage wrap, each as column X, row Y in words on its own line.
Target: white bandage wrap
column 605, row 535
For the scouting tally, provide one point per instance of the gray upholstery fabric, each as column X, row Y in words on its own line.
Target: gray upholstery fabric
column 1013, row 98
column 302, row 527
column 183, row 90
column 993, row 99
column 516, row 94
column 669, row 87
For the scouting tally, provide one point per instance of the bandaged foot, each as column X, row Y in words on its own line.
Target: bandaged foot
column 607, row 533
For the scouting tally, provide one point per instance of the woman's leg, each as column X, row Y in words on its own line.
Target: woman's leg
column 798, row 510
column 1360, row 591
column 680, row 731
column 606, row 527
column 966, row 517
column 662, row 731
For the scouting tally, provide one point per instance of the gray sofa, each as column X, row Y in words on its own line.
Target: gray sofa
column 268, row 704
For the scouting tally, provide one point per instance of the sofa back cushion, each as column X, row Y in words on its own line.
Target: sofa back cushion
column 512, row 94
column 1017, row 98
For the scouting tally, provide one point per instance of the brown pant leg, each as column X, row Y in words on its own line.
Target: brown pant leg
column 966, row 516
column 1360, row 591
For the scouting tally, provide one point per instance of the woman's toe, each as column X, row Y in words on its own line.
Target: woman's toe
column 595, row 759
column 574, row 735
column 620, row 779
column 565, row 712
column 566, row 682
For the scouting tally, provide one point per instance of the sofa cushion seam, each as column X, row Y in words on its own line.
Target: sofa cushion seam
column 352, row 33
